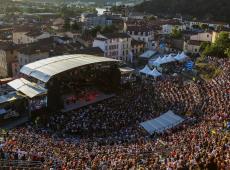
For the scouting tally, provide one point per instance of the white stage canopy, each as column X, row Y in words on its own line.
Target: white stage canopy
column 26, row 87
column 162, row 123
column 44, row 69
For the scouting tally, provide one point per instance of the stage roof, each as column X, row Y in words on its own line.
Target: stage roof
column 29, row 89
column 44, row 69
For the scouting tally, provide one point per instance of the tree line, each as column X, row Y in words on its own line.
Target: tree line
column 199, row 9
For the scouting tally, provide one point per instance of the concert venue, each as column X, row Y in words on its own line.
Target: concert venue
column 81, row 118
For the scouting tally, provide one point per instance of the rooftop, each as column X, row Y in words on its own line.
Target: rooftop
column 116, row 35
column 44, row 69
column 194, row 42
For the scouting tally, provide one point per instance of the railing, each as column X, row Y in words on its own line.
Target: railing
column 20, row 165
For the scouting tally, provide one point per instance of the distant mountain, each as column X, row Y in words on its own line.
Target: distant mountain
column 202, row 9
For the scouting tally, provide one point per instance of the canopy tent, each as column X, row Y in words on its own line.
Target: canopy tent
column 154, row 73
column 156, row 62
column 162, row 123
column 26, row 87
column 145, row 70
column 148, row 54
column 162, row 60
column 170, row 58
column 181, row 57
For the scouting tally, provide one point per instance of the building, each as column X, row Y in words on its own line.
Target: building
column 169, row 25
column 138, row 47
column 174, row 45
column 192, row 46
column 117, row 45
column 142, row 33
column 46, row 48
column 26, row 35
column 93, row 20
column 58, row 23
column 8, row 55
column 204, row 36
column 211, row 24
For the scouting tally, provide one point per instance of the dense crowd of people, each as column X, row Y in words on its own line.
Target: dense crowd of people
column 107, row 135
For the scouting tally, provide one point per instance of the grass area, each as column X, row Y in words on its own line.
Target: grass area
column 207, row 71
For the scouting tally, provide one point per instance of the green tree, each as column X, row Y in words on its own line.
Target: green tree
column 196, row 27
column 204, row 26
column 75, row 26
column 95, row 30
column 200, row 9
column 109, row 29
column 177, row 34
column 203, row 46
column 67, row 25
column 227, row 52
column 220, row 48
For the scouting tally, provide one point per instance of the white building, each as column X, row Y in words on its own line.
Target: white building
column 144, row 34
column 204, row 36
column 117, row 45
column 212, row 24
column 168, row 28
column 192, row 46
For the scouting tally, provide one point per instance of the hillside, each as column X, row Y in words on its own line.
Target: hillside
column 201, row 9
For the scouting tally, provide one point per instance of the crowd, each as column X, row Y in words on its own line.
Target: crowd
column 107, row 135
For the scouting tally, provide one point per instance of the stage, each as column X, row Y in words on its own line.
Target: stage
column 90, row 99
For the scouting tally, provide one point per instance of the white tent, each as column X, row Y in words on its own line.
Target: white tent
column 162, row 123
column 177, row 57
column 170, row 58
column 181, row 57
column 164, row 60
column 145, row 70
column 157, row 62
column 154, row 73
